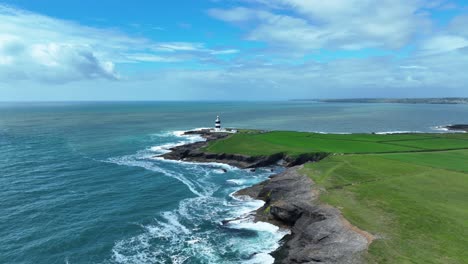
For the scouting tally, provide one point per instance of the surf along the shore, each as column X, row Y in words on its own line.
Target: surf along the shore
column 212, row 225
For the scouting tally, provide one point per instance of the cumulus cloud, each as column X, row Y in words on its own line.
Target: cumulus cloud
column 292, row 32
column 333, row 24
column 41, row 48
column 440, row 74
column 443, row 43
column 451, row 37
column 51, row 61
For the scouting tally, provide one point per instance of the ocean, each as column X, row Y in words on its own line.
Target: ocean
column 80, row 182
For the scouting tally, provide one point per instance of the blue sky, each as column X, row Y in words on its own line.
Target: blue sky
column 232, row 49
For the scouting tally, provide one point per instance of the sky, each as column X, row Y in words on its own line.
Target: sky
column 59, row 50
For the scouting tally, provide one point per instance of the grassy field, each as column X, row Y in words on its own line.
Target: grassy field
column 294, row 143
column 409, row 190
column 418, row 213
column 456, row 160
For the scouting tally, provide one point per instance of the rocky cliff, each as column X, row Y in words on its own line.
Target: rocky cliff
column 319, row 233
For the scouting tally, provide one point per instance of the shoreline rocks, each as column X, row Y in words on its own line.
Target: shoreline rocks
column 319, row 233
column 458, row 127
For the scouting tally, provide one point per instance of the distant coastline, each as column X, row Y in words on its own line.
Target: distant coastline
column 446, row 100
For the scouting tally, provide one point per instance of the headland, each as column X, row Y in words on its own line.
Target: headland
column 353, row 198
column 457, row 127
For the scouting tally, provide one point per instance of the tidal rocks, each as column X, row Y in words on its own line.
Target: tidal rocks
column 458, row 127
column 318, row 232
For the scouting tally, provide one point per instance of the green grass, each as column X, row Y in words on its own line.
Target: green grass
column 463, row 136
column 409, row 190
column 418, row 213
column 434, row 144
column 456, row 160
column 294, row 143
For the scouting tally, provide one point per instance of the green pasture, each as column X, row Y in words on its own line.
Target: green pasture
column 418, row 214
column 294, row 143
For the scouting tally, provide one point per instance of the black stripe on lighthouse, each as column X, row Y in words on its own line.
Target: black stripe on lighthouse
column 217, row 123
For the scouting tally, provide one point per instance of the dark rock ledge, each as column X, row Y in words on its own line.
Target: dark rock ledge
column 458, row 127
column 319, row 233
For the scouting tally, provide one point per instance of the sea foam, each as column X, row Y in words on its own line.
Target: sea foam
column 193, row 232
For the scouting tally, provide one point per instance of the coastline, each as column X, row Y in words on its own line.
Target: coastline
column 319, row 233
column 193, row 152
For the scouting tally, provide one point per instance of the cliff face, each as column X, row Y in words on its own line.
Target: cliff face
column 319, row 234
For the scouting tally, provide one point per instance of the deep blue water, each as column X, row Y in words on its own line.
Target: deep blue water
column 79, row 184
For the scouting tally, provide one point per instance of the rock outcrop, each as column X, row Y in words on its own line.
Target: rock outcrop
column 458, row 127
column 319, row 233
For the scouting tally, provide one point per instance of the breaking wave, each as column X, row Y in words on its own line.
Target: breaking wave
column 396, row 132
column 194, row 232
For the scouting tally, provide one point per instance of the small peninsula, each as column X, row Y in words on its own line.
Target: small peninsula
column 354, row 198
column 458, row 127
column 445, row 100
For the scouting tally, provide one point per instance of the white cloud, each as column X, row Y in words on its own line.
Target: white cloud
column 190, row 47
column 223, row 52
column 443, row 43
column 430, row 75
column 459, row 26
column 145, row 57
column 178, row 46
column 35, row 47
column 414, row 67
column 41, row 48
column 332, row 24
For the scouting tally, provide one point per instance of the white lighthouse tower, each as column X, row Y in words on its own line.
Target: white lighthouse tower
column 217, row 124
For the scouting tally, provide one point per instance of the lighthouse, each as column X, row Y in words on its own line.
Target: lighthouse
column 217, row 124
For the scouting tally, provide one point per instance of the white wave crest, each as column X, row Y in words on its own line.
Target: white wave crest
column 261, row 258
column 446, row 130
column 134, row 161
column 396, row 132
column 165, row 148
column 214, row 165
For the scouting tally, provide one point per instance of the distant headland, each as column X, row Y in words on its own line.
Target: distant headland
column 445, row 100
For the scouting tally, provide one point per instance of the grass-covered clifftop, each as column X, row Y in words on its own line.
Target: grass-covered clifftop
column 294, row 143
column 408, row 190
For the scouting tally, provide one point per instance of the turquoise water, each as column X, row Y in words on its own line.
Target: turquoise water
column 79, row 182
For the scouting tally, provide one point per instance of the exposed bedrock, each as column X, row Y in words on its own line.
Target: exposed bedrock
column 458, row 127
column 319, row 233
